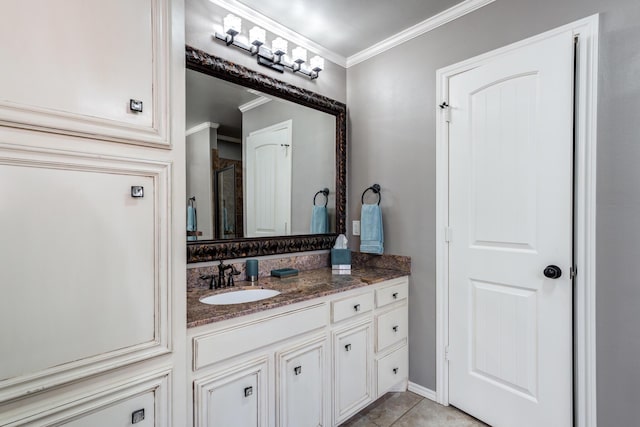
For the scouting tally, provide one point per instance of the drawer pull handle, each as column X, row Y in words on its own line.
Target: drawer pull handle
column 395, row 371
column 395, row 295
column 248, row 391
column 395, row 328
column 347, row 347
column 297, row 370
column 137, row 191
column 356, row 307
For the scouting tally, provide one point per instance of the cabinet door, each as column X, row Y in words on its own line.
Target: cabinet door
column 302, row 385
column 352, row 370
column 237, row 397
column 84, row 271
column 75, row 65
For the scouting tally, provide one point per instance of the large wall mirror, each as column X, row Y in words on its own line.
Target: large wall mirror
column 261, row 155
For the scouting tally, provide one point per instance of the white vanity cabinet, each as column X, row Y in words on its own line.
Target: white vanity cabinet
column 313, row 363
column 83, row 61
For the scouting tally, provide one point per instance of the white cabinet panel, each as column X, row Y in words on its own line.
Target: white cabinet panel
column 391, row 327
column 392, row 370
column 82, row 61
column 301, row 376
column 70, row 307
column 351, row 307
column 352, row 370
column 237, row 397
column 112, row 406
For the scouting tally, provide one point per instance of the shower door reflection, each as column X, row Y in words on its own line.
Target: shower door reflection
column 225, row 185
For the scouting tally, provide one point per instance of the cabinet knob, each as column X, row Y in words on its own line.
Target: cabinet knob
column 395, row 295
column 248, row 391
column 395, row 371
column 356, row 307
column 347, row 347
column 137, row 191
column 135, row 105
column 297, row 370
column 395, row 328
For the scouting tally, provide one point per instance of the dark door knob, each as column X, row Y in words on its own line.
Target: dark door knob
column 552, row 272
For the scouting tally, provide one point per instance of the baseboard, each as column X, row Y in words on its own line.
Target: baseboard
column 422, row 391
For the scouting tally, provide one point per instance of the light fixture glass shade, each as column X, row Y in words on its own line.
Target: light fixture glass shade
column 257, row 36
column 299, row 55
column 317, row 63
column 279, row 46
column 232, row 24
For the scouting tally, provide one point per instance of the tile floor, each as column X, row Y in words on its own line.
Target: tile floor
column 410, row 410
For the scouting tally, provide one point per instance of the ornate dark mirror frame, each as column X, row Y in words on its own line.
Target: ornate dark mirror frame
column 202, row 251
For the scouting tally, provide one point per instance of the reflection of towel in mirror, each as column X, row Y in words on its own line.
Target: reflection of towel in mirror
column 371, row 233
column 319, row 220
column 192, row 222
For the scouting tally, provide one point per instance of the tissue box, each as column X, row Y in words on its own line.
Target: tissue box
column 341, row 257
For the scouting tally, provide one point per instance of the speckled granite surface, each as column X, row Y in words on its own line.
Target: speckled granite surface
column 394, row 262
column 307, row 285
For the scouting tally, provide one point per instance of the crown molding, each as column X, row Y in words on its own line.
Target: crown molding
column 253, row 104
column 430, row 24
column 201, row 126
column 278, row 29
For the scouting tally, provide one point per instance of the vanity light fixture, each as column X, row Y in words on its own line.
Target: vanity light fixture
column 275, row 58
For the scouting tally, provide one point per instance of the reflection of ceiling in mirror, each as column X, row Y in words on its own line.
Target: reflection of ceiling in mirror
column 213, row 100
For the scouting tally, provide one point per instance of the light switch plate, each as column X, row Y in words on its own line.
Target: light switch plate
column 356, row 228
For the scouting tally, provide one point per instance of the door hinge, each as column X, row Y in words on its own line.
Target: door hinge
column 446, row 108
column 448, row 234
column 573, row 272
column 446, row 353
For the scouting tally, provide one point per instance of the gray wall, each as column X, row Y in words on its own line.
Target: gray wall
column 199, row 177
column 313, row 161
column 391, row 100
column 201, row 15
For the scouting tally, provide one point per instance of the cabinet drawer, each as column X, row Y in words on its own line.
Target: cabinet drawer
column 353, row 306
column 392, row 369
column 391, row 328
column 233, row 341
column 392, row 293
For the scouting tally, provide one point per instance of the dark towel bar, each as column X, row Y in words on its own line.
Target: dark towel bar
column 324, row 191
column 376, row 189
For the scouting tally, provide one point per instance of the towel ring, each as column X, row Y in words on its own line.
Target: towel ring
column 324, row 191
column 376, row 189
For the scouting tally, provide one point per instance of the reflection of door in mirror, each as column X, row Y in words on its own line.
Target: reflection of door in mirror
column 226, row 203
column 268, row 154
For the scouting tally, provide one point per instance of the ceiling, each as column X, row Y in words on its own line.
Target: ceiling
column 214, row 100
column 347, row 27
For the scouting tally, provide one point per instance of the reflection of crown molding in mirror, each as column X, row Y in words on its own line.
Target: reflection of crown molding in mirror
column 253, row 104
column 201, row 126
column 203, row 251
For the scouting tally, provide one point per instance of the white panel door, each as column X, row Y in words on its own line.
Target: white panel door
column 511, row 168
column 75, row 65
column 71, row 308
column 268, row 181
column 301, row 376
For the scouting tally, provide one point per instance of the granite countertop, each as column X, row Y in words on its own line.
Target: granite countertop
column 305, row 286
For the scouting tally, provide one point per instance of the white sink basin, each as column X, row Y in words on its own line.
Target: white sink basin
column 238, row 297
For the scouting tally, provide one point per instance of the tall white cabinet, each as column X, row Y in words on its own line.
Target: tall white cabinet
column 92, row 314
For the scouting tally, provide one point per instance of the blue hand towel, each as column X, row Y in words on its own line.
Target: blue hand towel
column 192, row 223
column 319, row 220
column 371, row 233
